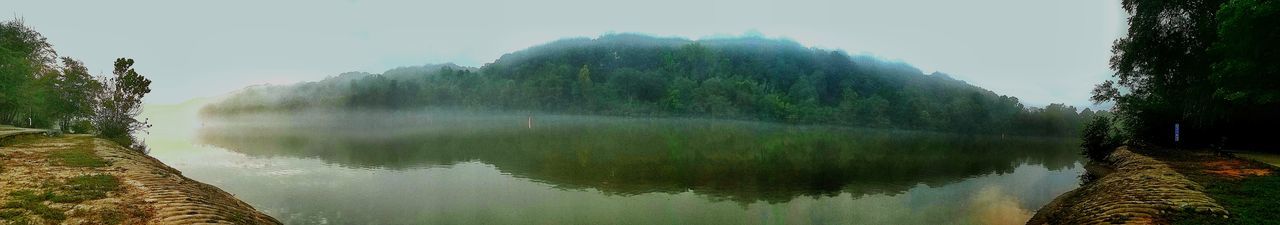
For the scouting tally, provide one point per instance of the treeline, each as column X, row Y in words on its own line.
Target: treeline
column 42, row 90
column 1209, row 67
column 634, row 75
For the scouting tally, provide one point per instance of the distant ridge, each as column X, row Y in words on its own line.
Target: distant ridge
column 752, row 78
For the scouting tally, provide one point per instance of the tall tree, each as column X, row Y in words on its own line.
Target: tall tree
column 1250, row 50
column 24, row 55
column 1247, row 76
column 121, row 102
column 1162, row 69
column 76, row 91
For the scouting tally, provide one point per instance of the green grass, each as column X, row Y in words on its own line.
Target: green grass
column 77, row 189
column 34, row 202
column 10, row 214
column 87, row 187
column 78, row 157
column 1252, row 200
column 14, row 216
column 30, row 196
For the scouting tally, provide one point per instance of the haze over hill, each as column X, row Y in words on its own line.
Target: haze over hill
column 1042, row 52
column 636, row 75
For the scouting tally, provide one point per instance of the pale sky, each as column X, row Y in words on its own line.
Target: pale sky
column 1041, row 51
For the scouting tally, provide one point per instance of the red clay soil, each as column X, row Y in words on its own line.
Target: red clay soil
column 1233, row 168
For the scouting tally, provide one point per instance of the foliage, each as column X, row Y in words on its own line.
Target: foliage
column 120, row 102
column 1098, row 139
column 634, row 75
column 1208, row 65
column 37, row 91
column 1246, row 77
column 25, row 59
column 74, row 102
column 1248, row 51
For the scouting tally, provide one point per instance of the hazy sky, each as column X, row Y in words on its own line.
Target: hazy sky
column 1040, row 51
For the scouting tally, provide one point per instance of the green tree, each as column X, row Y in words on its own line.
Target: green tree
column 24, row 55
column 1250, row 51
column 1162, row 68
column 120, row 103
column 1208, row 65
column 1097, row 141
column 804, row 99
column 585, row 84
column 1247, row 78
column 75, row 97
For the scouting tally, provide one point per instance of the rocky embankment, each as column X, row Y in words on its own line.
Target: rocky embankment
column 79, row 179
column 1138, row 190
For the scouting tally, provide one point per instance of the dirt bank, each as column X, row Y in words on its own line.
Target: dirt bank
column 78, row 179
column 1140, row 190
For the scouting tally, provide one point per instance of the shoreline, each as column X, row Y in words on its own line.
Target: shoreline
column 1164, row 186
column 81, row 179
column 1140, row 190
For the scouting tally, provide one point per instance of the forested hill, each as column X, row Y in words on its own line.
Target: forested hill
column 635, row 75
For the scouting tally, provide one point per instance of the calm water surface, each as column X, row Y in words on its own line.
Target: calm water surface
column 475, row 168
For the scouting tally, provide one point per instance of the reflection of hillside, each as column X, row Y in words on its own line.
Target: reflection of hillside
column 737, row 161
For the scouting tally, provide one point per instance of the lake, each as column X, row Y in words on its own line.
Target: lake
column 442, row 167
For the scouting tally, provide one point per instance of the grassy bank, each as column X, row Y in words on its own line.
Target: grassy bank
column 1249, row 189
column 51, row 177
column 80, row 179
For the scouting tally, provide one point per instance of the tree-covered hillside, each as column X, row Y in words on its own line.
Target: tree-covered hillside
column 635, row 75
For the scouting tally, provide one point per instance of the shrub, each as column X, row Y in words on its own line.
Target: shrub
column 1098, row 139
column 82, row 127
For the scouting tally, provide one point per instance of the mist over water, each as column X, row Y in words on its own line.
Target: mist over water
column 448, row 166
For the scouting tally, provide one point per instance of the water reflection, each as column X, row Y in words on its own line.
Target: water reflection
column 742, row 162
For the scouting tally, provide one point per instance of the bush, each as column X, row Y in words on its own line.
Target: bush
column 1098, row 139
column 81, row 127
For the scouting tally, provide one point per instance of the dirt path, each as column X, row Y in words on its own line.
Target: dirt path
column 1142, row 190
column 77, row 179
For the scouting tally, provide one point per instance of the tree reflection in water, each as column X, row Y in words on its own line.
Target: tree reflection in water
column 723, row 160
